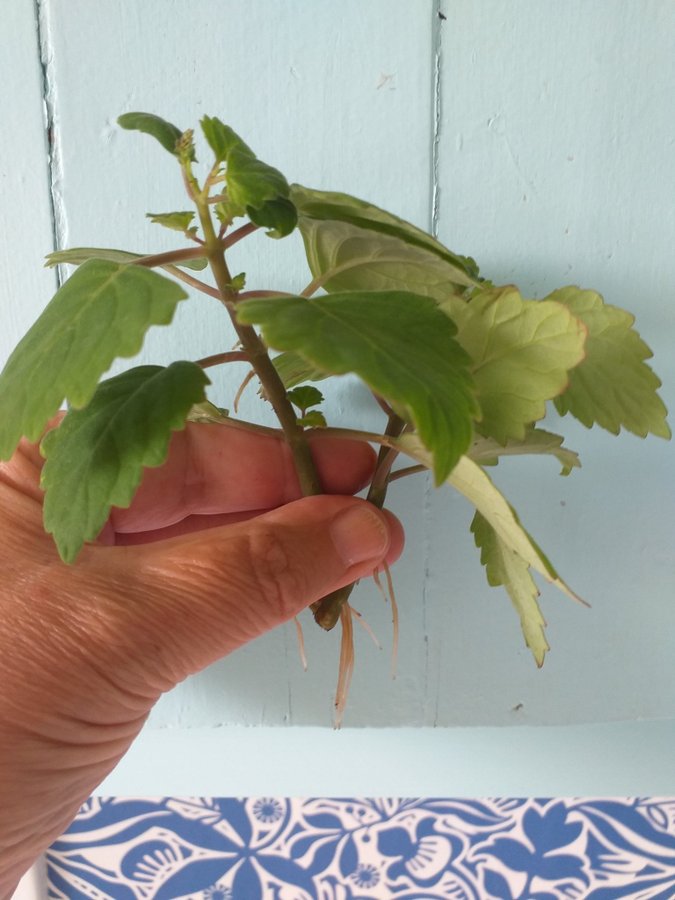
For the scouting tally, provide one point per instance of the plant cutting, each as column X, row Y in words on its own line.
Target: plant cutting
column 464, row 369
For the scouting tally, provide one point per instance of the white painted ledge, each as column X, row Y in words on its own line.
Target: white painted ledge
column 620, row 759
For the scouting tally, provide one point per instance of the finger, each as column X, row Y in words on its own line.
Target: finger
column 185, row 526
column 23, row 470
column 211, row 593
column 214, row 470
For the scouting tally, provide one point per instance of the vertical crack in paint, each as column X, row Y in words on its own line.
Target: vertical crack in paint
column 289, row 686
column 52, row 141
column 437, row 61
column 431, row 692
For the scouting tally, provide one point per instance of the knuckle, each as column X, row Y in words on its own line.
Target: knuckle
column 275, row 577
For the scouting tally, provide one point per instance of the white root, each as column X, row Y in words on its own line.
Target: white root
column 346, row 663
column 301, row 643
column 394, row 619
column 390, row 595
column 366, row 627
column 242, row 387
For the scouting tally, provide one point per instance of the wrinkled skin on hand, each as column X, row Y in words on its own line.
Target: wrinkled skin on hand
column 216, row 549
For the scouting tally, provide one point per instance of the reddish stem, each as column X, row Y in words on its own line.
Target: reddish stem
column 235, row 236
column 217, row 358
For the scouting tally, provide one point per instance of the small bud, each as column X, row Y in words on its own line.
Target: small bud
column 239, row 282
column 185, row 147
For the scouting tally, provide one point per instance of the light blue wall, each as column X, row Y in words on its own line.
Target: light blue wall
column 536, row 136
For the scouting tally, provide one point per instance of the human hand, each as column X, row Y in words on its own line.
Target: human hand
column 215, row 549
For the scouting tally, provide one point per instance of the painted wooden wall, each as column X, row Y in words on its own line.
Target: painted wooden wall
column 539, row 138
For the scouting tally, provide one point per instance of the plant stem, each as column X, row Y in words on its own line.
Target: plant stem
column 218, row 358
column 170, row 257
column 176, row 256
column 258, row 356
column 409, row 470
column 249, row 295
column 355, row 434
column 344, row 434
column 251, row 427
column 193, row 282
column 327, row 611
column 385, row 460
column 238, row 234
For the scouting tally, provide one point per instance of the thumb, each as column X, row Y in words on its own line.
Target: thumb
column 211, row 592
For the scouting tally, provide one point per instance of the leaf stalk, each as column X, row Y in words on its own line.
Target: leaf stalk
column 217, row 358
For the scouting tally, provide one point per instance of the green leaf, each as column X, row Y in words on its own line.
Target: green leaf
column 278, row 215
column 261, row 191
column 95, row 458
column 613, row 386
column 470, row 480
column 176, row 221
column 100, row 313
column 400, row 344
column 226, row 212
column 521, row 351
column 504, row 567
column 208, row 413
column 305, row 396
column 238, row 282
column 487, row 451
column 294, row 369
column 251, row 182
column 253, row 187
column 222, row 139
column 313, row 419
column 507, row 550
column 351, row 244
column 167, row 134
column 75, row 256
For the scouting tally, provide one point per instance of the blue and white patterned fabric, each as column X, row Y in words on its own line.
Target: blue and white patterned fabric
column 133, row 848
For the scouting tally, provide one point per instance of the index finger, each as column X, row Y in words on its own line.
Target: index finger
column 216, row 469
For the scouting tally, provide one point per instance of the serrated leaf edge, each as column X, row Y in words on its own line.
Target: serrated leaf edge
column 463, row 476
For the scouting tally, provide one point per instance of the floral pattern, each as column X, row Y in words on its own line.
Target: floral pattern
column 272, row 848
